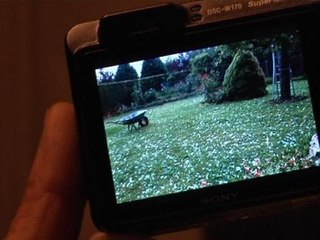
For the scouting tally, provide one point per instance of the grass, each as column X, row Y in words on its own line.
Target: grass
column 189, row 145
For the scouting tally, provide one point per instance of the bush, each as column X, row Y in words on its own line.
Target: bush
column 202, row 64
column 182, row 88
column 244, row 78
column 193, row 81
column 188, row 87
column 150, row 95
column 213, row 92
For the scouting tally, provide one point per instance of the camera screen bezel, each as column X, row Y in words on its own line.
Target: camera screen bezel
column 192, row 207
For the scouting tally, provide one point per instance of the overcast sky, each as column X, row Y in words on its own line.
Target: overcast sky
column 136, row 65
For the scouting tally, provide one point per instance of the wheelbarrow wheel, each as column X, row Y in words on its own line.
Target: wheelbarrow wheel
column 144, row 121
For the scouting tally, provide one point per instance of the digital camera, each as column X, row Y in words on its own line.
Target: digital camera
column 187, row 111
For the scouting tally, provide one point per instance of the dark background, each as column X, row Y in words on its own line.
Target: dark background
column 34, row 75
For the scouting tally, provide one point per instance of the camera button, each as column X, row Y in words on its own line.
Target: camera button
column 195, row 8
column 196, row 17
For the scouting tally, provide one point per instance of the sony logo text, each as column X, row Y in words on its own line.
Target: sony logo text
column 219, row 198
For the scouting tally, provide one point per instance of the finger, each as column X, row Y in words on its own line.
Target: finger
column 53, row 202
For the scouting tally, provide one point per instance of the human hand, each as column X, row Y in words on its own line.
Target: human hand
column 54, row 200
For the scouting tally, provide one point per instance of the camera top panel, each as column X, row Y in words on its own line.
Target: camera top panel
column 172, row 16
column 201, row 12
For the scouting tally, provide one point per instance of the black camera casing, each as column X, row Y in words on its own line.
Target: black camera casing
column 145, row 33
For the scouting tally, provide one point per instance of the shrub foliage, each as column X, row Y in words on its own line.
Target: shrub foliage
column 244, row 78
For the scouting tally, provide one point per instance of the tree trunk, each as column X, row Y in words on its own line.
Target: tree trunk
column 285, row 90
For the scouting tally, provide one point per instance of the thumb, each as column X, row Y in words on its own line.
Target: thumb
column 53, row 202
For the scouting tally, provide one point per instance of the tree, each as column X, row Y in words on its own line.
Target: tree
column 155, row 73
column 218, row 58
column 202, row 65
column 117, row 91
column 109, row 101
column 178, row 69
column 125, row 77
column 104, row 76
column 285, row 88
column 289, row 47
column 137, row 95
column 125, row 72
column 224, row 54
column 244, row 79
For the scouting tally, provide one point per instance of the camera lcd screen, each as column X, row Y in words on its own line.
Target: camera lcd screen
column 207, row 117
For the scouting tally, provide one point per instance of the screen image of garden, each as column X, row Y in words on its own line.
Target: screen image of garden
column 208, row 117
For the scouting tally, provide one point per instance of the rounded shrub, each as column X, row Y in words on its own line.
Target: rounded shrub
column 244, row 78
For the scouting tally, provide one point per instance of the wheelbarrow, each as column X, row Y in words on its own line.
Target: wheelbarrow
column 137, row 117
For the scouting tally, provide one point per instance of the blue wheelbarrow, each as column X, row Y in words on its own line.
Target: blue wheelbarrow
column 136, row 118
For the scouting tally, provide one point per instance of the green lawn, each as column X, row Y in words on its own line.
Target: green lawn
column 188, row 144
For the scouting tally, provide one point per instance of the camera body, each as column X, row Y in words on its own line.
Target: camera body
column 187, row 111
